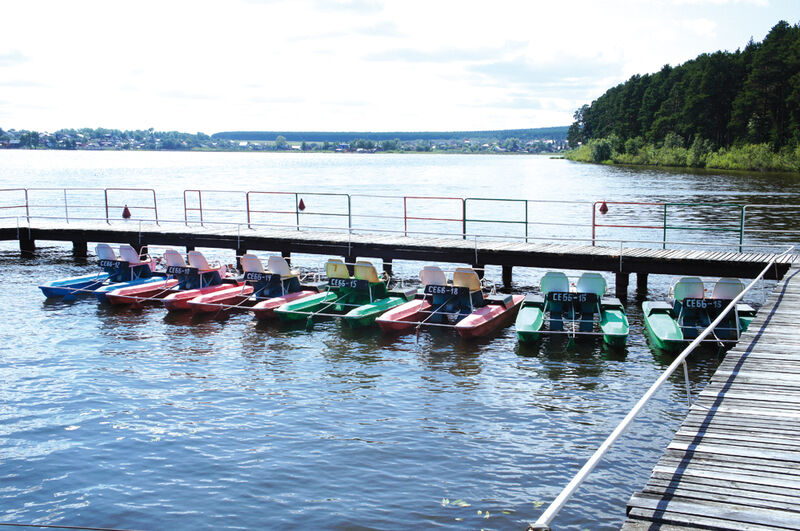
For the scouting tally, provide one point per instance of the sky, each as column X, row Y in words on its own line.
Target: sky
column 345, row 65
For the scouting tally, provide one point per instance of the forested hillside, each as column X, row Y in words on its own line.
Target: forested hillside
column 716, row 110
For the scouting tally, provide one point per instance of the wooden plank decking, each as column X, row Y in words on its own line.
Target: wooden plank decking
column 735, row 461
column 389, row 246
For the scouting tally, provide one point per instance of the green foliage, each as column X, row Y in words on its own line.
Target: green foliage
column 280, row 142
column 633, row 145
column 600, row 149
column 724, row 98
column 390, row 145
column 753, row 157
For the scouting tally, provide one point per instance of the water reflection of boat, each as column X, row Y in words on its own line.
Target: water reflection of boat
column 672, row 325
column 584, row 312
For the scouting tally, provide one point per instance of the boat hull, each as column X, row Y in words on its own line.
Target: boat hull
column 489, row 318
column 227, row 300
column 662, row 329
column 366, row 314
column 102, row 293
column 265, row 309
column 614, row 325
column 302, row 309
column 179, row 300
column 405, row 317
column 74, row 285
column 142, row 292
column 529, row 323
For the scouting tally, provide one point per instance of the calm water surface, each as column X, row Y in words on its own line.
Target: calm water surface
column 139, row 419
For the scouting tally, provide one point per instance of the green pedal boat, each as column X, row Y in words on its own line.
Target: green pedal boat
column 359, row 299
column 671, row 326
column 581, row 313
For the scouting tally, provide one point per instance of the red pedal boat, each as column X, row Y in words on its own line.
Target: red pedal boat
column 180, row 279
column 276, row 286
column 460, row 305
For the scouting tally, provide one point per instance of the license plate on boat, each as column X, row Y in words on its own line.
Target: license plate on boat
column 705, row 304
column 181, row 270
column 353, row 283
column 569, row 297
column 434, row 289
column 115, row 264
column 253, row 276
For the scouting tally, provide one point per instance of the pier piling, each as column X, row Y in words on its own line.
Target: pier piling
column 507, row 276
column 621, row 285
column 79, row 249
column 641, row 285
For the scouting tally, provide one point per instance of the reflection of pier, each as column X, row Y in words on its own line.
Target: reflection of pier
column 479, row 252
column 735, row 461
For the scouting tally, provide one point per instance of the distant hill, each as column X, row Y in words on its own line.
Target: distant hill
column 549, row 133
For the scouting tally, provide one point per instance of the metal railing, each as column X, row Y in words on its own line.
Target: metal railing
column 544, row 521
column 472, row 214
column 69, row 208
column 299, row 206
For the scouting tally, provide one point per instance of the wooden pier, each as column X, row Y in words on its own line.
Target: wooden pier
column 735, row 461
column 390, row 246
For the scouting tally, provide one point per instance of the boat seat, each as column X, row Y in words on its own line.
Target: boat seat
column 174, row 258
column 592, row 283
column 105, row 252
column 533, row 299
column 366, row 271
column 432, row 276
column 466, row 277
column 335, row 268
column 554, row 281
column 727, row 288
column 688, row 288
column 503, row 299
column 279, row 266
column 129, row 254
column 659, row 307
column 251, row 264
column 197, row 260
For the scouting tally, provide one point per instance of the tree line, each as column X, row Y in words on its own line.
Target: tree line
column 716, row 104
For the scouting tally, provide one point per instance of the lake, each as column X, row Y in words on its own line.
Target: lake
column 139, row 419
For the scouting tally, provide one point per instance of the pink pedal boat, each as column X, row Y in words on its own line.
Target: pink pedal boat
column 262, row 291
column 279, row 284
column 180, row 280
column 199, row 278
column 460, row 305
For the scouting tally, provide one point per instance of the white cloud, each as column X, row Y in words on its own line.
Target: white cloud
column 358, row 65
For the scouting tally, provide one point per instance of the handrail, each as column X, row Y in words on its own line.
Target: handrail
column 297, row 210
column 406, row 217
column 385, row 210
column 543, row 522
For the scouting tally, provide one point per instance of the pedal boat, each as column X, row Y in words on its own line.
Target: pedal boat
column 256, row 286
column 141, row 267
column 194, row 280
column 276, row 286
column 359, row 299
column 179, row 277
column 573, row 313
column 113, row 270
column 671, row 326
column 460, row 305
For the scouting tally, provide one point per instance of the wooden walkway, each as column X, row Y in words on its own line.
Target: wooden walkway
column 390, row 246
column 735, row 461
